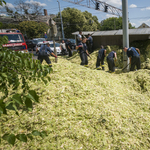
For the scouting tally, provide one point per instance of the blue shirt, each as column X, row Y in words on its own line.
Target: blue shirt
column 45, row 36
column 111, row 54
column 131, row 52
column 46, row 48
column 90, row 39
column 101, row 53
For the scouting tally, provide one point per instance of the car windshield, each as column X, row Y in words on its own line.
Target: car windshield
column 56, row 44
column 36, row 41
column 72, row 40
column 39, row 39
column 14, row 38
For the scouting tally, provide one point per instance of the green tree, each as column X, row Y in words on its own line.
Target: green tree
column 9, row 26
column 91, row 23
column 33, row 29
column 75, row 20
column 112, row 23
column 2, row 2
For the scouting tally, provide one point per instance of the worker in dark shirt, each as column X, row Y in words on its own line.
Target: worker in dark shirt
column 68, row 46
column 100, row 58
column 134, row 56
column 83, row 52
column 110, row 61
column 44, row 53
column 90, row 43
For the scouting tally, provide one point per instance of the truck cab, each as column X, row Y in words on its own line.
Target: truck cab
column 16, row 40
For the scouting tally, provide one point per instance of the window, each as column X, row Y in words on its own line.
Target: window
column 14, row 38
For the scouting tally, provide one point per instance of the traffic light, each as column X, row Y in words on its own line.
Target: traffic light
column 106, row 8
column 97, row 6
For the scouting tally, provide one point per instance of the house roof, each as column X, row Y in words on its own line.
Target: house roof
column 83, row 32
column 138, row 31
column 143, row 25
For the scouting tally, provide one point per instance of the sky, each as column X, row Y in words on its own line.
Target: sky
column 138, row 10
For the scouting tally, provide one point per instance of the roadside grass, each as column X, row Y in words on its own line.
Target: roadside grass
column 85, row 108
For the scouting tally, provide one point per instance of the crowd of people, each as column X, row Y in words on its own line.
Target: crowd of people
column 85, row 48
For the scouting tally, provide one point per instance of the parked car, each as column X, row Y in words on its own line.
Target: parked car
column 51, row 46
column 57, row 45
column 16, row 40
column 40, row 39
column 73, row 43
column 33, row 43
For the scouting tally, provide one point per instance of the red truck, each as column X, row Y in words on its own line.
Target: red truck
column 16, row 40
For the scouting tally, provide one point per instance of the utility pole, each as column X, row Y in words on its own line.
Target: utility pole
column 125, row 32
column 52, row 24
column 61, row 21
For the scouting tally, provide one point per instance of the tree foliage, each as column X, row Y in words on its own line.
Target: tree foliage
column 23, row 9
column 2, row 2
column 9, row 26
column 33, row 29
column 75, row 20
column 112, row 23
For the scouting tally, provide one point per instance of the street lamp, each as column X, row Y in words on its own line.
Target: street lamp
column 61, row 21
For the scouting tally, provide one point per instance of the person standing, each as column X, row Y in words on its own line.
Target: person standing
column 79, row 41
column 45, row 35
column 68, row 46
column 79, row 38
column 134, row 57
column 90, row 43
column 83, row 52
column 63, row 48
column 110, row 61
column 100, row 58
column 43, row 54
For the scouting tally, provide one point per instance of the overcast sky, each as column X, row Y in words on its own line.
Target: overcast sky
column 139, row 10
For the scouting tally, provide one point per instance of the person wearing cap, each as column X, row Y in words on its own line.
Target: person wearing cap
column 134, row 57
column 68, row 46
column 44, row 54
column 83, row 52
column 90, row 43
column 110, row 61
column 100, row 58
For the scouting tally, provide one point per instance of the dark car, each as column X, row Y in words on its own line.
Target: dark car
column 31, row 44
column 73, row 43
